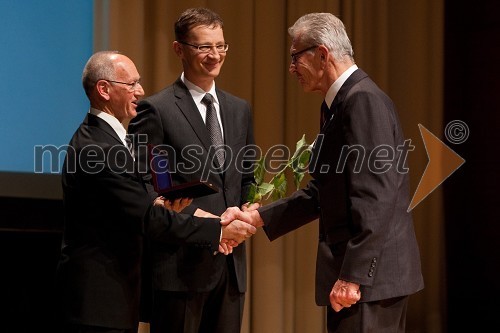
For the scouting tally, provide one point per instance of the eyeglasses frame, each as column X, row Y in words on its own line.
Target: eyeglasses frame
column 225, row 45
column 132, row 86
column 295, row 55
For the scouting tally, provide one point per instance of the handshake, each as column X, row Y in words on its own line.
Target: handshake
column 238, row 225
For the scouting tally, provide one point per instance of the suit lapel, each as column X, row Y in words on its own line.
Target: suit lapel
column 355, row 77
column 93, row 120
column 188, row 108
column 336, row 108
column 227, row 117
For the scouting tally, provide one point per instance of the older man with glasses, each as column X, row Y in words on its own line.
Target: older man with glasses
column 368, row 260
column 107, row 212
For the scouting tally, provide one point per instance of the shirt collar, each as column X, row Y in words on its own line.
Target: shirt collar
column 197, row 92
column 335, row 87
column 111, row 121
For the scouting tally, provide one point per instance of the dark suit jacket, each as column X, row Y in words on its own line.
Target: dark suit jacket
column 171, row 118
column 107, row 212
column 366, row 235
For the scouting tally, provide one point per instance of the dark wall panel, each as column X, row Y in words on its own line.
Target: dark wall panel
column 472, row 200
column 30, row 241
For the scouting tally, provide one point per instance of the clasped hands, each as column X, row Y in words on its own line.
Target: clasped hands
column 238, row 225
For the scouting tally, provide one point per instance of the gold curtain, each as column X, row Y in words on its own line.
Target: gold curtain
column 398, row 43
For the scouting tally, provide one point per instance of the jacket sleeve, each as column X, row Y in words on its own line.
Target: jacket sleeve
column 165, row 226
column 288, row 214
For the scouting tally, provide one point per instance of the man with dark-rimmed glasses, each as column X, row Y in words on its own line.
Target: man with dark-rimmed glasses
column 195, row 290
column 368, row 260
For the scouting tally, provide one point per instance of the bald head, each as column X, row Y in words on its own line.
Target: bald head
column 111, row 82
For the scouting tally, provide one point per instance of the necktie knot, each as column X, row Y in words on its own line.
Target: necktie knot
column 207, row 99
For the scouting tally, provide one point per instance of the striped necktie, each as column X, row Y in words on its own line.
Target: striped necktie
column 214, row 129
column 128, row 141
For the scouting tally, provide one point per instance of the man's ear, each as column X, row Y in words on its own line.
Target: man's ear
column 177, row 48
column 102, row 88
column 323, row 52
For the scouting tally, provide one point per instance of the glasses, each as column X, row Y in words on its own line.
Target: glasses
column 295, row 56
column 131, row 86
column 221, row 48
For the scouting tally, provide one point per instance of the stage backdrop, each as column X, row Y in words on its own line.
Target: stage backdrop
column 44, row 46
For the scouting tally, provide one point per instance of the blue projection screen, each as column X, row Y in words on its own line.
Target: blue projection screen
column 43, row 48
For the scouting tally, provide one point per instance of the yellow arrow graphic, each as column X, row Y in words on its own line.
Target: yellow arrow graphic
column 443, row 161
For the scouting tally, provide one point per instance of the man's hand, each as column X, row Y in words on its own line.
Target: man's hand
column 237, row 231
column 202, row 213
column 344, row 294
column 225, row 246
column 176, row 205
column 249, row 216
column 250, row 206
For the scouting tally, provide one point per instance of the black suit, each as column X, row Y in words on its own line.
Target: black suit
column 366, row 235
column 171, row 117
column 107, row 212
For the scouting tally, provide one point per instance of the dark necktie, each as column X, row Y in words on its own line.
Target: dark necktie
column 214, row 129
column 128, row 141
column 325, row 115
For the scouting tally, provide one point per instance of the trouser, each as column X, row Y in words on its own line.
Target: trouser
column 387, row 316
column 217, row 311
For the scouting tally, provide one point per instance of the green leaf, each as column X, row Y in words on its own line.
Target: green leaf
column 252, row 194
column 265, row 188
column 305, row 158
column 297, row 177
column 301, row 162
column 280, row 185
column 259, row 171
column 299, row 146
column 280, row 182
column 276, row 189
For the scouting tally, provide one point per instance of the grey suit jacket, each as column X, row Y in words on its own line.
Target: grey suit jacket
column 171, row 118
column 360, row 196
